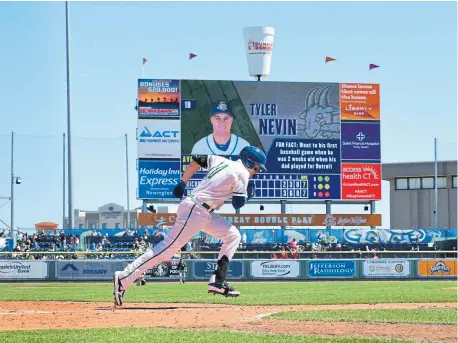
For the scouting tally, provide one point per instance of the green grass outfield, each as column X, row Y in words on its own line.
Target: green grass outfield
column 419, row 316
column 252, row 293
column 141, row 335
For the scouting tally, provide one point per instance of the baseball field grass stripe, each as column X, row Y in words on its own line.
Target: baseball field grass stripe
column 126, row 335
column 253, row 293
column 422, row 315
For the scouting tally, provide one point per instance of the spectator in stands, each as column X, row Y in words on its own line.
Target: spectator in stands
column 293, row 244
column 320, row 236
column 135, row 245
column 274, row 256
column 295, row 253
column 284, row 253
column 243, row 241
column 106, row 243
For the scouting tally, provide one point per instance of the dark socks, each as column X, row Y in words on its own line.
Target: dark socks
column 221, row 269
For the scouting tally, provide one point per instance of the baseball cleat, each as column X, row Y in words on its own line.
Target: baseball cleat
column 118, row 290
column 222, row 289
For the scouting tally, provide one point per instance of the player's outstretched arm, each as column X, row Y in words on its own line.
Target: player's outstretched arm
column 198, row 161
column 179, row 189
column 192, row 168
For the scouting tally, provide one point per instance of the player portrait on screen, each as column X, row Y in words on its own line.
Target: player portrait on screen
column 221, row 141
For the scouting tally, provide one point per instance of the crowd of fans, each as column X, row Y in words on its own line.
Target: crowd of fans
column 42, row 245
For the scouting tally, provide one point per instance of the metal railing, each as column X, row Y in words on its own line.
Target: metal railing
column 250, row 254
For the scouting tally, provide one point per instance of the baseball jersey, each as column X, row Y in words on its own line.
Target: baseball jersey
column 224, row 179
column 207, row 146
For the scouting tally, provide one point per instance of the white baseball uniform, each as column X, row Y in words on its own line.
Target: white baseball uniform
column 224, row 179
column 207, row 146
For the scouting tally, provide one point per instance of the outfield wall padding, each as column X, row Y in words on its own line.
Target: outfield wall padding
column 248, row 270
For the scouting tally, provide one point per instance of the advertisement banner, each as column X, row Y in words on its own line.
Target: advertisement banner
column 205, row 269
column 361, row 181
column 297, row 124
column 331, row 269
column 158, row 98
column 278, row 269
column 157, row 179
column 23, row 270
column 104, row 269
column 358, row 236
column 258, row 48
column 88, row 270
column 437, row 268
column 300, row 134
column 276, row 219
column 158, row 138
column 164, row 270
column 386, row 268
column 361, row 141
column 359, row 101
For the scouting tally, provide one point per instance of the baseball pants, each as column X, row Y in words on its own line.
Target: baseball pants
column 191, row 218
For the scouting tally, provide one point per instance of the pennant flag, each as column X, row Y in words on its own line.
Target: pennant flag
column 372, row 66
column 191, row 56
column 144, row 60
column 329, row 59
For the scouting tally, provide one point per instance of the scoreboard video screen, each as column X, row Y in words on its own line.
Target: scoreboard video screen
column 322, row 140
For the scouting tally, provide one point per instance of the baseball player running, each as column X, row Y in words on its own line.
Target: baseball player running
column 224, row 179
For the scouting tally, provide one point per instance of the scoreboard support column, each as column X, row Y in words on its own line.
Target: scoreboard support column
column 283, row 210
column 372, row 203
column 238, row 212
column 144, row 209
column 328, row 211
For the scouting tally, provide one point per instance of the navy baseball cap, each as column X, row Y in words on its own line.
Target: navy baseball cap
column 221, row 107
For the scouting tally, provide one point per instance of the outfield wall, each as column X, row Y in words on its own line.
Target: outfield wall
column 248, row 270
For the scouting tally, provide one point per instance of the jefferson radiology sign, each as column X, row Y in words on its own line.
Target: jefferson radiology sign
column 331, row 269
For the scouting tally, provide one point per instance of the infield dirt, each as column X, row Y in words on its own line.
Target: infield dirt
column 29, row 315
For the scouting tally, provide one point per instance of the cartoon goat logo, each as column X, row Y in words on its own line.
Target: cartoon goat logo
column 320, row 118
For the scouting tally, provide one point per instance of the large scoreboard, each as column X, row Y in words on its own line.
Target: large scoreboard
column 322, row 140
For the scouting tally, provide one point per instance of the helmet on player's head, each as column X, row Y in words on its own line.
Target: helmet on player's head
column 250, row 156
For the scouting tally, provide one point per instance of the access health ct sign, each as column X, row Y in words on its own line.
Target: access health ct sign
column 158, row 138
column 157, row 179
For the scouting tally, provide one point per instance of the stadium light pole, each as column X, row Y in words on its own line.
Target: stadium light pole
column 12, row 191
column 69, row 146
column 63, row 183
column 127, row 180
column 435, row 186
column 15, row 180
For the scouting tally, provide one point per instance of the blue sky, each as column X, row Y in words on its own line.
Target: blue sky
column 414, row 43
